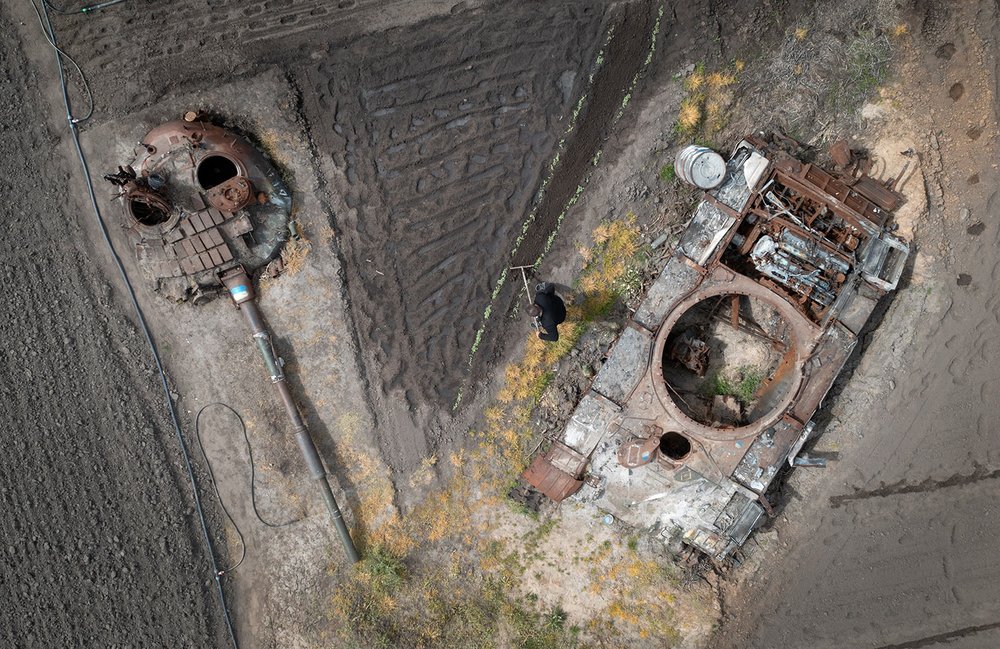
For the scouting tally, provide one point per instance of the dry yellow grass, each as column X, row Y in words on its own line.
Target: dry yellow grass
column 719, row 80
column 801, row 33
column 703, row 111
column 294, row 253
column 689, row 118
column 695, row 80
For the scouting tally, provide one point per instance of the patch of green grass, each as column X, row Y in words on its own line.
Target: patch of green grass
column 524, row 510
column 868, row 59
column 385, row 571
column 867, row 64
column 742, row 388
column 750, row 380
column 718, row 385
column 667, row 173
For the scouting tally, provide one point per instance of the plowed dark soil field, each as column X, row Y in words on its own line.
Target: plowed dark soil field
column 442, row 135
column 98, row 545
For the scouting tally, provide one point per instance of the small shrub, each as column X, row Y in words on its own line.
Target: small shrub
column 742, row 387
column 385, row 571
column 750, row 380
column 667, row 173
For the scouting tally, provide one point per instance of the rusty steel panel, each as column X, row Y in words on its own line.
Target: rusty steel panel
column 555, row 483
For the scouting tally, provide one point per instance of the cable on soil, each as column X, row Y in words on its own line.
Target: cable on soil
column 130, row 291
column 82, row 10
column 215, row 483
column 50, row 37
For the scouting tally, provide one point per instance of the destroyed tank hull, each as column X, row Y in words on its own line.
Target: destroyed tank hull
column 713, row 386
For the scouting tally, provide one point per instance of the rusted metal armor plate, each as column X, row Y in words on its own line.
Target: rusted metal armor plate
column 706, row 231
column 625, row 365
column 590, row 422
column 856, row 311
column 739, row 517
column 675, row 281
column 198, row 199
column 769, row 450
column 824, row 365
column 551, row 481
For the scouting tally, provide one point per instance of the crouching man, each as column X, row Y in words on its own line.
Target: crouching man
column 548, row 310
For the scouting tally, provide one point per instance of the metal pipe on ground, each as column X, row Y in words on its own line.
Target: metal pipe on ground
column 241, row 290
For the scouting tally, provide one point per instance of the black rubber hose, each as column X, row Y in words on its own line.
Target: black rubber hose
column 253, row 474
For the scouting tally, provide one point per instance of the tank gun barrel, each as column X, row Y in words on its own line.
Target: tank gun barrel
column 241, row 290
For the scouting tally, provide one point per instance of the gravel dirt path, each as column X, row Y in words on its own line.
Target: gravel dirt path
column 99, row 544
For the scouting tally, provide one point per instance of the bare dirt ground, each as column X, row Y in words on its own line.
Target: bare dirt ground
column 892, row 546
column 99, row 545
column 417, row 137
column 435, row 146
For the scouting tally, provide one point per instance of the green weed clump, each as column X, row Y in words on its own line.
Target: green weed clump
column 384, row 570
column 867, row 62
column 868, row 58
column 742, row 385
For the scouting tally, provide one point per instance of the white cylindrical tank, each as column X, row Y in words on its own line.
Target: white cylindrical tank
column 700, row 166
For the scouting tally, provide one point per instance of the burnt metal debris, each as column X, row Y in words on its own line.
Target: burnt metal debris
column 712, row 386
column 197, row 200
column 205, row 208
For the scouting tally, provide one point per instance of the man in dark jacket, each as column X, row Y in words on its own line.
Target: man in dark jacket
column 549, row 310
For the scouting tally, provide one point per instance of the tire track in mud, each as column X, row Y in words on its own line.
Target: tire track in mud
column 944, row 638
column 141, row 50
column 979, row 474
column 439, row 139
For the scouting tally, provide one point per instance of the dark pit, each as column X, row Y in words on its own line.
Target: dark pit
column 675, row 446
column 147, row 214
column 724, row 375
column 214, row 170
column 946, row 51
